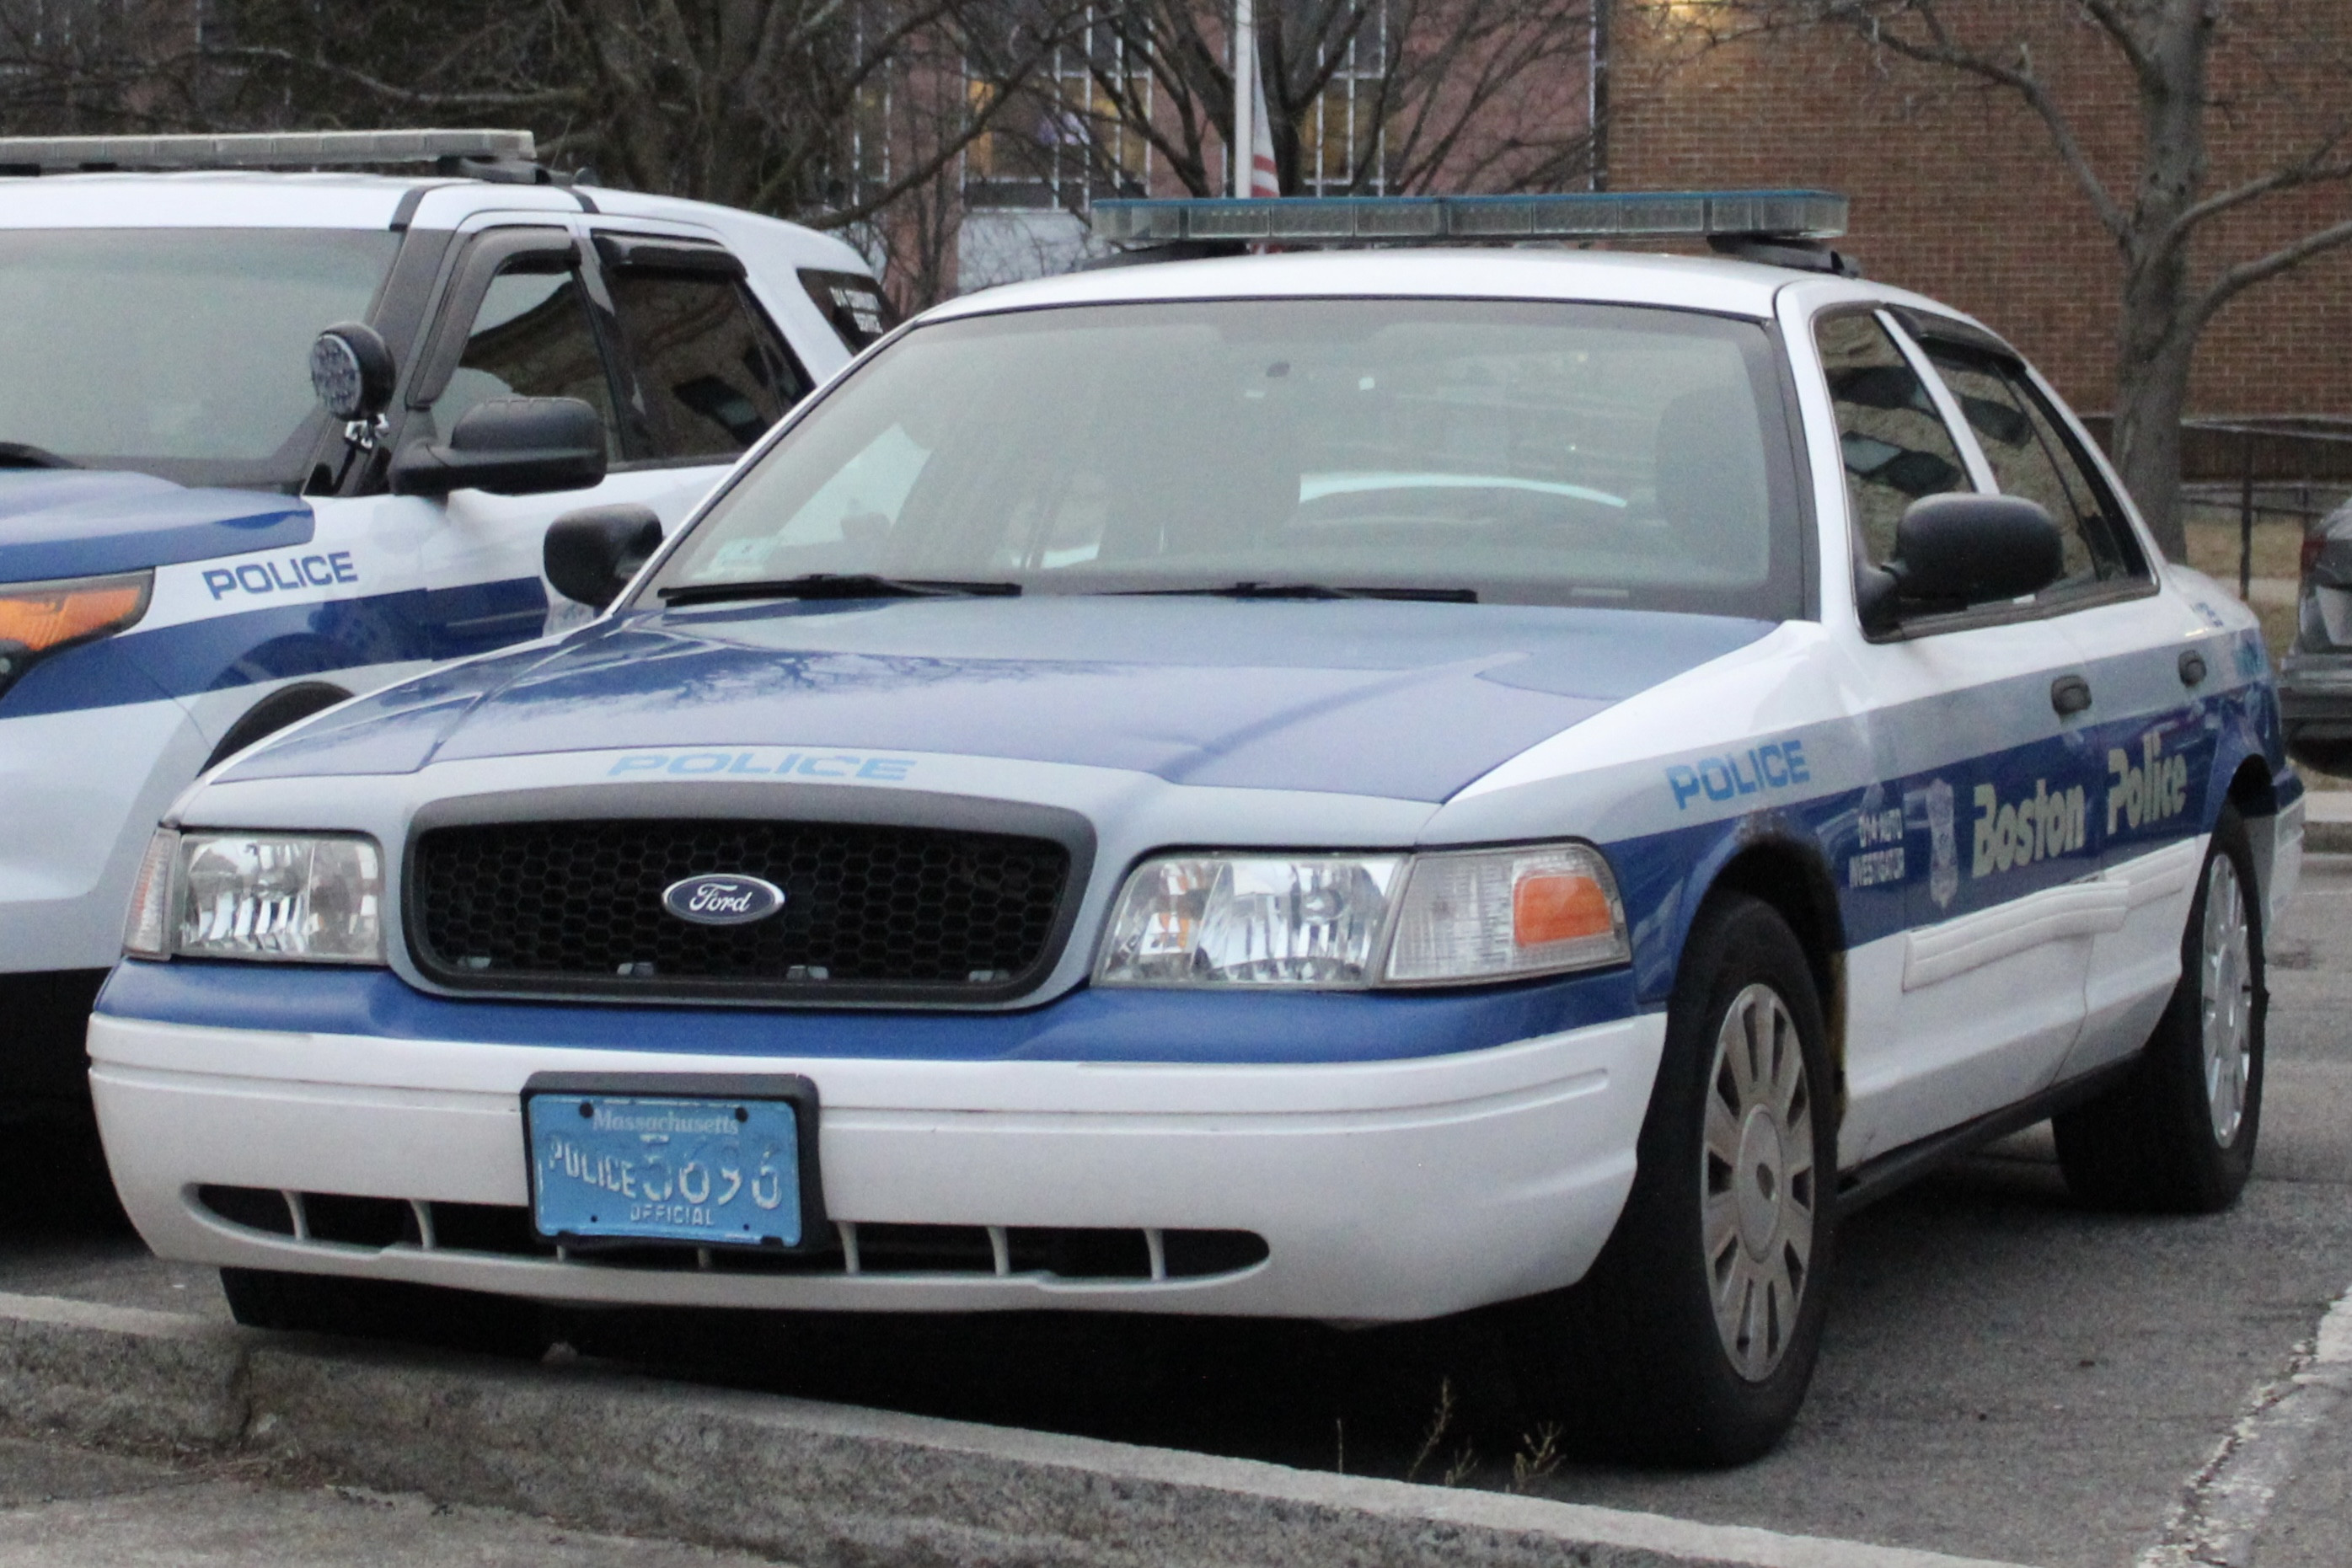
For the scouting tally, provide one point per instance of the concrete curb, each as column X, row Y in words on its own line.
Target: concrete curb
column 827, row 1485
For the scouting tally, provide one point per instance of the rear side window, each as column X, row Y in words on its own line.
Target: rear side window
column 2032, row 456
column 855, row 304
column 1896, row 445
column 714, row 373
column 532, row 337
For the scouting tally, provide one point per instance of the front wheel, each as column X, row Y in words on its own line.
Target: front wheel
column 2177, row 1135
column 1692, row 1339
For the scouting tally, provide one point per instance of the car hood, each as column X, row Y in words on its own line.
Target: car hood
column 1408, row 701
column 79, row 522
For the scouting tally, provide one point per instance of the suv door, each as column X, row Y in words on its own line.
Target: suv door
column 1986, row 786
column 2149, row 744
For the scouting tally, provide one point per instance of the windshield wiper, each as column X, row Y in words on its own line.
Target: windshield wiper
column 21, row 455
column 1317, row 591
column 834, row 585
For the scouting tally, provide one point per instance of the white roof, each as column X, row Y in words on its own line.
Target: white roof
column 1694, row 283
column 225, row 199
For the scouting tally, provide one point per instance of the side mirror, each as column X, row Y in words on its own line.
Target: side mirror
column 1960, row 549
column 509, row 446
column 591, row 554
column 352, row 372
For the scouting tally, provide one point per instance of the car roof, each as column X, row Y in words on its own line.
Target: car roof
column 258, row 199
column 1691, row 283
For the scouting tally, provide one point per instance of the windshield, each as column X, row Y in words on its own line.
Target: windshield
column 1505, row 450
column 180, row 353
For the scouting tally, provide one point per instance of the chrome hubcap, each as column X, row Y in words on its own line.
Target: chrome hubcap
column 2226, row 987
column 1757, row 1186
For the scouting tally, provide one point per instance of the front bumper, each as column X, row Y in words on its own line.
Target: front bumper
column 80, row 793
column 1383, row 1190
column 2316, row 688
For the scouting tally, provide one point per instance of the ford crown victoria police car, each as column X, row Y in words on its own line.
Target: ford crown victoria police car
column 1351, row 786
column 191, row 552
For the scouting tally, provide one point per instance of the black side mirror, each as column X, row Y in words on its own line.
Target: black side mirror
column 591, row 554
column 509, row 446
column 1960, row 549
column 352, row 372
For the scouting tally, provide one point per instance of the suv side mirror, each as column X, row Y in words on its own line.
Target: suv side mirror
column 509, row 446
column 591, row 554
column 1961, row 549
column 352, row 372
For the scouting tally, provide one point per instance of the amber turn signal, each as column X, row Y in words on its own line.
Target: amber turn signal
column 40, row 616
column 1558, row 907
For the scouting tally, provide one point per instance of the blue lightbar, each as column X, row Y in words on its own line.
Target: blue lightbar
column 1394, row 220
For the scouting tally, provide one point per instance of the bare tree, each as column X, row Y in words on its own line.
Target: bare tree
column 1362, row 95
column 2195, row 66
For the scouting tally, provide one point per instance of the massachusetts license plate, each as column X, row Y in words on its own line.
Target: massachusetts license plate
column 712, row 1171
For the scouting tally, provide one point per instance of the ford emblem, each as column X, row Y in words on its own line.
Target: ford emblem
column 722, row 899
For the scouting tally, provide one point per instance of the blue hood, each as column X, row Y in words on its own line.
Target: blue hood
column 1408, row 701
column 75, row 522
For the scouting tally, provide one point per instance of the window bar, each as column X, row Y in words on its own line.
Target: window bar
column 1000, row 1249
column 424, row 1212
column 1156, row 1243
column 301, row 1215
column 849, row 1259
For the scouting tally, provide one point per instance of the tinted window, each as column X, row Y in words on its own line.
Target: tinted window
column 714, row 374
column 184, row 352
column 2031, row 457
column 1547, row 453
column 1895, row 444
column 855, row 306
column 531, row 337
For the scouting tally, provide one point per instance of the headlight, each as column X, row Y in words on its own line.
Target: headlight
column 1263, row 920
column 1353, row 921
column 37, row 619
column 297, row 898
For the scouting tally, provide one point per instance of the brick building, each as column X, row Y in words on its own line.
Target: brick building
column 1959, row 192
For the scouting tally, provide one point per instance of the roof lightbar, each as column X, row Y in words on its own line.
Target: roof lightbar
column 262, row 149
column 1356, row 220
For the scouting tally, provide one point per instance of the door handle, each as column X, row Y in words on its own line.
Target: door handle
column 2069, row 695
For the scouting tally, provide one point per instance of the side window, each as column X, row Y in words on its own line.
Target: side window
column 855, row 306
column 2032, row 456
column 714, row 373
column 531, row 337
column 1895, row 444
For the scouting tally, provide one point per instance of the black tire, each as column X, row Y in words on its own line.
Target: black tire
column 387, row 1309
column 1632, row 1357
column 2153, row 1144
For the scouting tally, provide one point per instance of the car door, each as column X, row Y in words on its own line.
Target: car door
column 2150, row 738
column 1985, row 784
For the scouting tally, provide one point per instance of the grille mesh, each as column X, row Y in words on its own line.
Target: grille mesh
column 578, row 905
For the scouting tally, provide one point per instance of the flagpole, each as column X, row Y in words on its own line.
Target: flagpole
column 1245, row 141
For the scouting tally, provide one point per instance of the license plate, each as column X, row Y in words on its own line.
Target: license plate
column 707, row 1169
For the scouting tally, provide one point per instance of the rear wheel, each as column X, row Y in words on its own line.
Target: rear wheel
column 386, row 1308
column 1692, row 1339
column 2179, row 1135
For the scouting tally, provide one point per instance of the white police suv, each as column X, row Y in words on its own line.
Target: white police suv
column 193, row 553
column 1347, row 786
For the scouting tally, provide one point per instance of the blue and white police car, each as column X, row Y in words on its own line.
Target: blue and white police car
column 1353, row 786
column 193, row 553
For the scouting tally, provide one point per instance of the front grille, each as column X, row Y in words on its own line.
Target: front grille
column 870, row 912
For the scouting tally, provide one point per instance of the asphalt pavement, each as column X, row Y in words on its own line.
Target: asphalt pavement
column 2005, row 1376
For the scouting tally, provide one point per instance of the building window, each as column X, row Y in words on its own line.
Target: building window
column 1060, row 140
column 1342, row 144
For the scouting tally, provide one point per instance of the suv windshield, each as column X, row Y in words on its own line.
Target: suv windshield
column 180, row 353
column 1509, row 451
